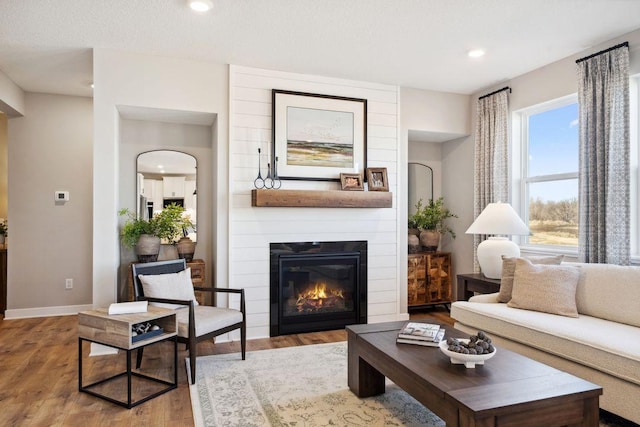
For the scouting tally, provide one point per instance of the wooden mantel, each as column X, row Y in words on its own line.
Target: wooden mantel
column 321, row 199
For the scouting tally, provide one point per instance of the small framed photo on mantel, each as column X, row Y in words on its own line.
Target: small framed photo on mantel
column 351, row 181
column 377, row 179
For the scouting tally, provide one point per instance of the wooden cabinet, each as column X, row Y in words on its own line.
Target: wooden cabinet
column 198, row 278
column 429, row 279
column 198, row 275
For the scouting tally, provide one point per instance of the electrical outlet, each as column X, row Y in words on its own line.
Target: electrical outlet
column 68, row 284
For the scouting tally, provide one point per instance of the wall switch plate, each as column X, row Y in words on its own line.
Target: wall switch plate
column 68, row 284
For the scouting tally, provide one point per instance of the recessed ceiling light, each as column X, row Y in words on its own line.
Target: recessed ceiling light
column 200, row 6
column 475, row 53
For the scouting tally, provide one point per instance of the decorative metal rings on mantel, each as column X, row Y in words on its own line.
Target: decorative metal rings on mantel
column 270, row 181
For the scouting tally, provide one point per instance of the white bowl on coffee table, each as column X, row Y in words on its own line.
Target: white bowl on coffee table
column 468, row 360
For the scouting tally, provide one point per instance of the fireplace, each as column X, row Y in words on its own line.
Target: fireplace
column 317, row 286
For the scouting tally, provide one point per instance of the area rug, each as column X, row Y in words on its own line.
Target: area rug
column 303, row 386
column 294, row 386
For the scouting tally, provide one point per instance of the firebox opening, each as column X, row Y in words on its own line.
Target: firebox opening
column 317, row 286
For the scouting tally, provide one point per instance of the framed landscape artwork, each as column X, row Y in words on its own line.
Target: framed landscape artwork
column 318, row 137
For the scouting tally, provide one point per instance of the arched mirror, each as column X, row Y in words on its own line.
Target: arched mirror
column 420, row 184
column 165, row 177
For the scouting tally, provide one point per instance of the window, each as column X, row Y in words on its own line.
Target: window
column 545, row 173
column 549, row 173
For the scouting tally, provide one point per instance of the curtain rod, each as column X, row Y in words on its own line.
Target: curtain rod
column 495, row 91
column 603, row 51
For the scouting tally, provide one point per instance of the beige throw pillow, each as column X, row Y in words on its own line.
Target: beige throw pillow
column 170, row 286
column 509, row 267
column 546, row 288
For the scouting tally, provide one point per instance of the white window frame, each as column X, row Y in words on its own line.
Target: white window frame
column 521, row 179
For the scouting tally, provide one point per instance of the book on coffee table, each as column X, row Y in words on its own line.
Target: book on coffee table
column 419, row 331
column 428, row 343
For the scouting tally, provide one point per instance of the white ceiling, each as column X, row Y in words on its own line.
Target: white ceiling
column 46, row 46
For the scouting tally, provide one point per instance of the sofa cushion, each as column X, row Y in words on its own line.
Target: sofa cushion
column 547, row 288
column 609, row 291
column 509, row 268
column 601, row 344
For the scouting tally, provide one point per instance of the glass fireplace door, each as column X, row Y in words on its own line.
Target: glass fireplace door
column 318, row 289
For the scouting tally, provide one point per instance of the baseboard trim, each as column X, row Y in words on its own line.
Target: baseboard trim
column 25, row 313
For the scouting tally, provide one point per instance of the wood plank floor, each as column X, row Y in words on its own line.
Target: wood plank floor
column 39, row 375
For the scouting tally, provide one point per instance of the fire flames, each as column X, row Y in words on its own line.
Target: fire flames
column 318, row 296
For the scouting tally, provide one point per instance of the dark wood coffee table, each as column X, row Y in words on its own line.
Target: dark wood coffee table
column 508, row 390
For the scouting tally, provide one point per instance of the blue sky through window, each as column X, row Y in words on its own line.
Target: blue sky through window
column 553, row 148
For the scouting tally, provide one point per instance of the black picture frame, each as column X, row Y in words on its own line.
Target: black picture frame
column 317, row 137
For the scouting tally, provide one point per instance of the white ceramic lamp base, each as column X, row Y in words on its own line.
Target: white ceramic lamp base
column 490, row 253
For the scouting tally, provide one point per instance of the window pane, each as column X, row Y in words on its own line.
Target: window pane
column 553, row 141
column 553, row 212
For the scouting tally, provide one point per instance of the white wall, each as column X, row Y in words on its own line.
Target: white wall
column 4, row 165
column 457, row 190
column 50, row 149
column 252, row 229
column 134, row 80
column 440, row 113
column 543, row 84
column 11, row 97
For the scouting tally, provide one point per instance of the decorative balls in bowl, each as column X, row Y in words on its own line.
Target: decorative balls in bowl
column 468, row 352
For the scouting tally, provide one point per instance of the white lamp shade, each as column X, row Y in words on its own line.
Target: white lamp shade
column 497, row 218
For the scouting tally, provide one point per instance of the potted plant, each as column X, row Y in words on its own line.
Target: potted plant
column 145, row 236
column 431, row 220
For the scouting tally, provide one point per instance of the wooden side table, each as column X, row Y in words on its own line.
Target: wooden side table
column 471, row 283
column 97, row 326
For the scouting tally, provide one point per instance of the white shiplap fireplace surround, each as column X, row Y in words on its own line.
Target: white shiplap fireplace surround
column 252, row 229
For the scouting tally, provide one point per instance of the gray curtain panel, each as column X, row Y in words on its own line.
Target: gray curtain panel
column 491, row 156
column 604, row 196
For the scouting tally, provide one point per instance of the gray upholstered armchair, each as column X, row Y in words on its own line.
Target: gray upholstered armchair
column 168, row 283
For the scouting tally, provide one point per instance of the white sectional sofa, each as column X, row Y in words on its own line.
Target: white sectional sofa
column 601, row 344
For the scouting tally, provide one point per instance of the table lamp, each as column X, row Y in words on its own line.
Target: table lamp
column 502, row 219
